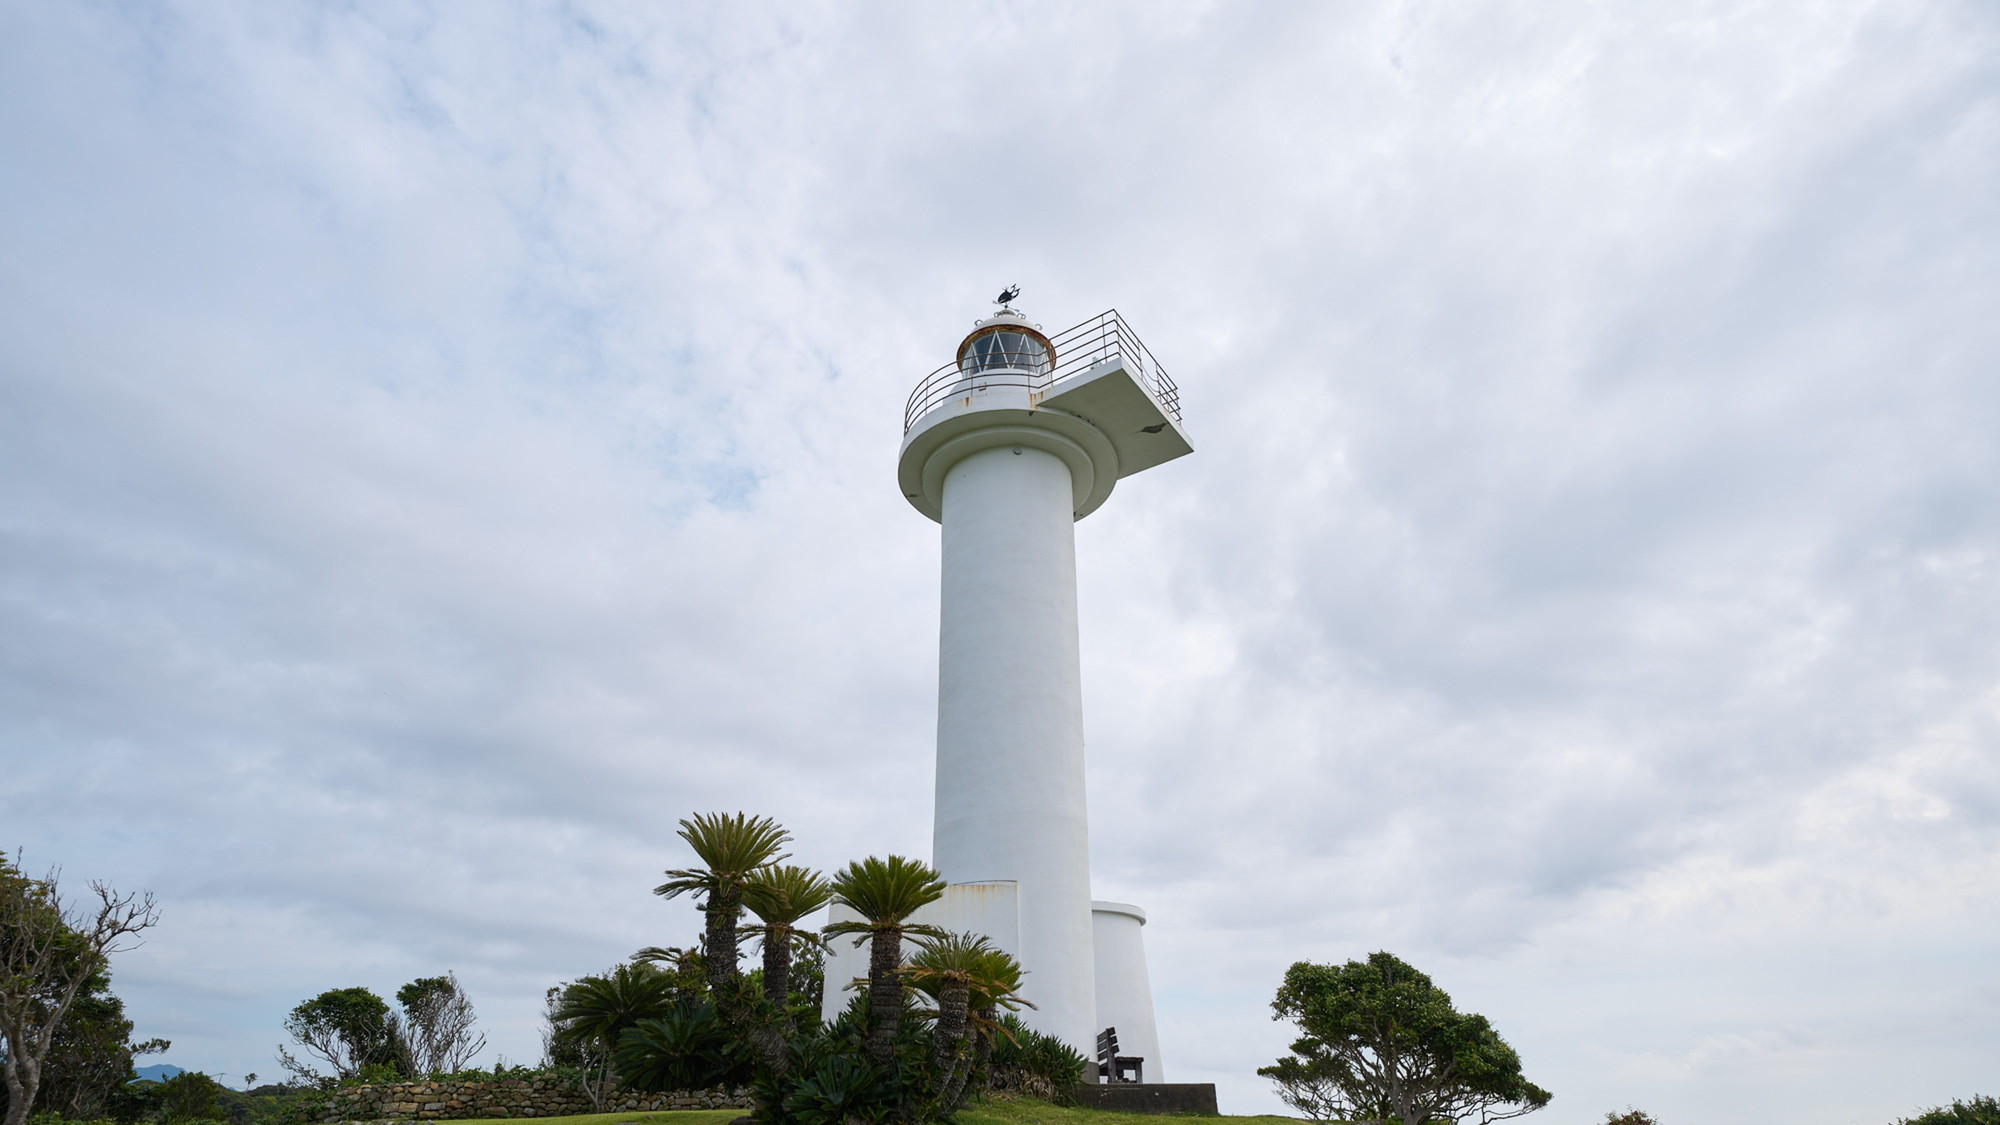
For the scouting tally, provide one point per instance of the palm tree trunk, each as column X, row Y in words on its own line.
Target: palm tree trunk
column 778, row 966
column 885, row 993
column 982, row 1041
column 718, row 943
column 949, row 1056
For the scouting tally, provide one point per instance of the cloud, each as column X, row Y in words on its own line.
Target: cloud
column 440, row 449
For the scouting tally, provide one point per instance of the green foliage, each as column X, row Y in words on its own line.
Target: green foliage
column 89, row 1063
column 784, row 894
column 597, row 1009
column 884, row 892
column 730, row 848
column 831, row 1079
column 55, row 956
column 1384, row 1042
column 1047, row 1063
column 1981, row 1110
column 689, row 1048
column 435, row 1034
column 346, row 1028
column 1631, row 1117
column 186, row 1097
column 499, row 1072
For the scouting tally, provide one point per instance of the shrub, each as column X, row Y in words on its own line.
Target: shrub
column 689, row 1048
column 1981, row 1110
column 1027, row 1061
column 190, row 1096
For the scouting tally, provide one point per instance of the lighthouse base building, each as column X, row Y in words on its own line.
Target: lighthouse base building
column 1007, row 447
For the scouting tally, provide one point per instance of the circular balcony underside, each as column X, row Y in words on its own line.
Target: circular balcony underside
column 1002, row 417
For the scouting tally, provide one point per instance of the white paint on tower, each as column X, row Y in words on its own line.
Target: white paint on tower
column 1006, row 448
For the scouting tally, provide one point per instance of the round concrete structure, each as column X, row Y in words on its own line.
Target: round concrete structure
column 1010, row 796
column 1124, row 988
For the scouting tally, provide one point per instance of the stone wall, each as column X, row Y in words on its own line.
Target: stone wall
column 508, row 1097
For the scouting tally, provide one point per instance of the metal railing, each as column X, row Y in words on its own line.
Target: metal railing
column 1103, row 337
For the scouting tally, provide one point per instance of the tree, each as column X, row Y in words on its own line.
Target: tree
column 1981, row 1110
column 90, row 1060
column 595, row 1011
column 346, row 1028
column 780, row 897
column 731, row 848
column 1630, row 1117
column 1383, row 1044
column 436, row 1035
column 969, row 980
column 885, row 892
column 49, row 951
column 187, row 1097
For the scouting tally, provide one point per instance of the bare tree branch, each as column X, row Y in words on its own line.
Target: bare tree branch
column 48, row 950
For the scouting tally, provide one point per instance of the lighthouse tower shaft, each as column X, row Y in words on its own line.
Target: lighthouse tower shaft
column 1010, row 794
column 1007, row 447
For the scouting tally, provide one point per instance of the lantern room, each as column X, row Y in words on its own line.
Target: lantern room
column 1006, row 341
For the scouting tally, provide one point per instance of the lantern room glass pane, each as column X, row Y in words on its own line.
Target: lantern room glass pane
column 1005, row 351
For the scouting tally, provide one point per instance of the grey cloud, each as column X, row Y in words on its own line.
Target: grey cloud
column 437, row 450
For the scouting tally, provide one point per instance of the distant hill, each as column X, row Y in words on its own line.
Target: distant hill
column 158, row 1071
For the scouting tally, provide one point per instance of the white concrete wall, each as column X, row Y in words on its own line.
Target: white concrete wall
column 1124, row 989
column 1010, row 796
column 988, row 909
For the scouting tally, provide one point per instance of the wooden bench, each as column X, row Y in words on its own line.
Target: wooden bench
column 1114, row 1067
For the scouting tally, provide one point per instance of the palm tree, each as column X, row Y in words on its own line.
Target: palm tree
column 885, row 893
column 596, row 1010
column 779, row 897
column 942, row 970
column 970, row 981
column 731, row 847
column 996, row 984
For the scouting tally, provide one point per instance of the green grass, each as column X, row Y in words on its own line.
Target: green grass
column 1026, row 1111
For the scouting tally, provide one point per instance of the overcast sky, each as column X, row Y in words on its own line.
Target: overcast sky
column 440, row 447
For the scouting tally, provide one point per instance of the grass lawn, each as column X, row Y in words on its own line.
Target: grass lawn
column 1028, row 1111
column 1023, row 1112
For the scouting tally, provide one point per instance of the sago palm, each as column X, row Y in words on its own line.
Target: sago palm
column 731, row 847
column 970, row 981
column 885, row 892
column 597, row 1010
column 996, row 984
column 780, row 897
column 942, row 970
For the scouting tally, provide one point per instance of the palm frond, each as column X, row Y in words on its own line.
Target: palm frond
column 785, row 894
column 732, row 845
column 886, row 891
column 683, row 880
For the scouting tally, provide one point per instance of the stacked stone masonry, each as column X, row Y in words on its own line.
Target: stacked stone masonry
column 509, row 1097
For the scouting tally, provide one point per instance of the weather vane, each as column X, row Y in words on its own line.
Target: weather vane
column 1007, row 295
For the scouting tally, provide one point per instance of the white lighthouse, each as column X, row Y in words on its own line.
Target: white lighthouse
column 1006, row 447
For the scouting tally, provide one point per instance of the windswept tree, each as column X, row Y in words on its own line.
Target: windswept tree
column 50, row 950
column 781, row 897
column 436, row 1031
column 885, row 892
column 90, row 1061
column 347, row 1029
column 1383, row 1045
column 731, row 847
